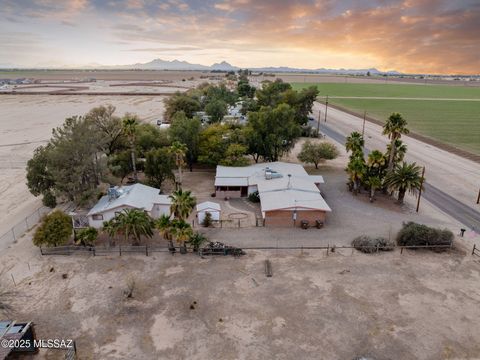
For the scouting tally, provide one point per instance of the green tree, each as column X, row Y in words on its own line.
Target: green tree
column 179, row 150
column 87, row 236
column 216, row 109
column 55, row 230
column 164, row 227
column 49, row 199
column 159, row 166
column 405, row 177
column 181, row 102
column 196, row 240
column 244, row 89
column 301, row 102
column 181, row 231
column 186, row 131
column 235, row 155
column 110, row 126
column 135, row 223
column 150, row 137
column 374, row 182
column 130, row 130
column 317, row 152
column 182, row 204
column 39, row 178
column 120, row 164
column 356, row 170
column 400, row 151
column 271, row 133
column 213, row 143
column 111, row 228
column 395, row 126
column 354, row 143
column 271, row 93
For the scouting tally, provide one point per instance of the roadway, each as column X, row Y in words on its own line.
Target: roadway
column 453, row 207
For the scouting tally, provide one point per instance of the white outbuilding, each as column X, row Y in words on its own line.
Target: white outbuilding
column 208, row 207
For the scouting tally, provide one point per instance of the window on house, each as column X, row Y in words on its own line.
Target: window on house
column 97, row 217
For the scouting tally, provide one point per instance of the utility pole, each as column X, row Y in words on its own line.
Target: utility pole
column 421, row 186
column 363, row 127
column 318, row 122
column 326, row 108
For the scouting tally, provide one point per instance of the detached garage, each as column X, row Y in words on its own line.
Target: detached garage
column 208, row 207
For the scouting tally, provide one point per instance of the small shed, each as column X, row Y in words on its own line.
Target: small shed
column 208, row 207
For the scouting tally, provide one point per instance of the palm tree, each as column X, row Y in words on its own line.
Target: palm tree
column 196, row 240
column 111, row 228
column 376, row 160
column 356, row 169
column 179, row 151
column 182, row 204
column 164, row 226
column 405, row 177
column 181, row 231
column 374, row 182
column 400, row 151
column 135, row 223
column 355, row 143
column 87, row 236
column 130, row 131
column 395, row 126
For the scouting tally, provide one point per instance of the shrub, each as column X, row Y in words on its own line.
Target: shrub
column 207, row 220
column 413, row 234
column 369, row 244
column 254, row 197
column 87, row 236
column 55, row 230
column 49, row 200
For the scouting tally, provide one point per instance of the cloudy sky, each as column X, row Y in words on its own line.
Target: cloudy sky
column 416, row 36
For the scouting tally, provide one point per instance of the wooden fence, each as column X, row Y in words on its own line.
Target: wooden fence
column 476, row 250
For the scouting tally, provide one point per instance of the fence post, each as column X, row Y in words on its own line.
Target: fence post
column 146, row 250
column 328, row 247
column 473, row 251
column 94, row 253
column 401, row 250
column 120, row 249
column 239, row 223
column 41, row 251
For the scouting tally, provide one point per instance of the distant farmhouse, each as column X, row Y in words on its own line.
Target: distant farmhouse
column 136, row 196
column 288, row 194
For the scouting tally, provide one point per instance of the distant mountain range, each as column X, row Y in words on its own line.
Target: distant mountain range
column 159, row 64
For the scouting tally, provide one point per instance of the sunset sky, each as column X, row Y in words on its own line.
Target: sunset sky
column 424, row 36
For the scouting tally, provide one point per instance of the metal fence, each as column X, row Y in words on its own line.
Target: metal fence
column 233, row 223
column 24, row 225
column 150, row 249
column 475, row 251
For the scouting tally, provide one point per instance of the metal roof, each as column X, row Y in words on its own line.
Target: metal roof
column 138, row 196
column 208, row 205
column 288, row 199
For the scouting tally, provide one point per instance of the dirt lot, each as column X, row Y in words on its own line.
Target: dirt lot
column 387, row 306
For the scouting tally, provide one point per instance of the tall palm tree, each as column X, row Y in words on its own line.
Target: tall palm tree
column 181, row 231
column 182, row 204
column 400, row 151
column 374, row 182
column 395, row 126
column 356, row 170
column 135, row 223
column 405, row 177
column 130, row 131
column 355, row 143
column 179, row 151
column 376, row 160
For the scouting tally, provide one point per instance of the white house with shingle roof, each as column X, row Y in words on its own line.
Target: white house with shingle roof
column 137, row 196
column 288, row 194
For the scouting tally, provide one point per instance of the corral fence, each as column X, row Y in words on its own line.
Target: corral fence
column 151, row 249
column 24, row 225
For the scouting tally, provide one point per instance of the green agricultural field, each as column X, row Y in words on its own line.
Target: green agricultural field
column 455, row 122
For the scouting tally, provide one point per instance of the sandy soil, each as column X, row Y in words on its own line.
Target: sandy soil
column 418, row 305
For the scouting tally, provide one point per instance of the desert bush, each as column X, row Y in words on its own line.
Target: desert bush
column 87, row 236
column 369, row 244
column 413, row 234
column 55, row 230
column 254, row 197
column 49, row 199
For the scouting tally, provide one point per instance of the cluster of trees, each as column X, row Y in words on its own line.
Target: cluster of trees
column 315, row 153
column 386, row 171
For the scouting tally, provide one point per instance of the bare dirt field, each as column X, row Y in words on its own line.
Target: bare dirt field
column 418, row 305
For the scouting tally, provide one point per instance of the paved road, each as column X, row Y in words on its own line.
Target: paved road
column 399, row 98
column 446, row 203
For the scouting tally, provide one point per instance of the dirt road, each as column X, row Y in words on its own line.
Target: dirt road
column 452, row 181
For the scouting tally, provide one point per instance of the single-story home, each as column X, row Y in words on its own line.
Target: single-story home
column 288, row 194
column 208, row 207
column 17, row 332
column 137, row 196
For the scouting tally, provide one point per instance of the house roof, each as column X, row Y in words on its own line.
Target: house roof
column 208, row 205
column 137, row 196
column 276, row 188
